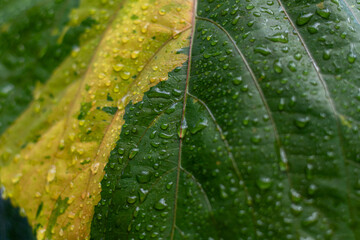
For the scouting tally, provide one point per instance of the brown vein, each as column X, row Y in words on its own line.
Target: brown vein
column 182, row 120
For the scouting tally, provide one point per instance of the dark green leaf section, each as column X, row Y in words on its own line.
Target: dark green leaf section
column 269, row 145
column 138, row 188
column 309, row 84
column 30, row 51
column 110, row 110
column 12, row 225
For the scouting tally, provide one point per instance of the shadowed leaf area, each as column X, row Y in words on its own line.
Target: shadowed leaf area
column 205, row 119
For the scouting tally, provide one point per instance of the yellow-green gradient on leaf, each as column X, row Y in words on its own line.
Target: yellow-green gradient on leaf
column 53, row 156
column 205, row 119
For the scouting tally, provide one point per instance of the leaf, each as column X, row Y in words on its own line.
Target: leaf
column 250, row 131
column 57, row 149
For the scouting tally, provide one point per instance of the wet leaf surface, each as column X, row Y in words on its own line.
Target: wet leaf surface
column 200, row 119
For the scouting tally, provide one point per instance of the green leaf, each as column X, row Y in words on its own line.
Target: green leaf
column 244, row 126
column 260, row 143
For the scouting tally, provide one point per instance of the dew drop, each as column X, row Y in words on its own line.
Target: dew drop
column 143, row 177
column 118, row 67
column 279, row 37
column 302, row 122
column 324, row 13
column 199, row 126
column 304, row 18
column 142, row 194
column 237, row 80
column 125, row 75
column 51, row 174
column 278, row 66
column 133, row 153
column 95, row 168
column 160, row 205
column 264, row 183
column 262, row 50
column 131, row 199
column 351, row 57
column 135, row 54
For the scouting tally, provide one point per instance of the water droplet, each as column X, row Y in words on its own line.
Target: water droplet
column 304, row 18
column 296, row 209
column 5, row 90
column 125, row 75
column 121, row 151
column 169, row 185
column 142, row 194
column 133, row 153
column 135, row 54
column 294, row 195
column 199, row 126
column 182, row 128
column 160, row 205
column 118, row 67
column 164, row 126
column 237, row 80
column 116, row 89
column 95, row 168
column 298, row 56
column 302, row 122
column 131, row 199
column 158, row 93
column 264, row 183
column 250, row 6
column 281, row 104
column 312, row 219
column 16, row 178
column 327, row 54
column 292, row 66
column 265, row 51
column 324, row 13
column 162, row 12
column 207, row 55
column 256, row 139
column 283, row 160
column 279, row 37
column 278, row 66
column 51, row 174
column 143, row 177
column 351, row 57
column 165, row 135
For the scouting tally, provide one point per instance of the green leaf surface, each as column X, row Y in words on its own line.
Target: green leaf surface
column 231, row 119
column 259, row 140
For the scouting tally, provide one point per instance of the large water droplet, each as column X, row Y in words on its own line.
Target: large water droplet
column 143, row 177
column 324, row 13
column 279, row 37
column 51, row 174
column 160, row 205
column 302, row 122
column 304, row 18
column 264, row 183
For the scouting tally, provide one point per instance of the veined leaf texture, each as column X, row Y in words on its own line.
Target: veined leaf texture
column 182, row 119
